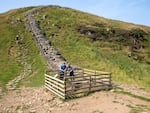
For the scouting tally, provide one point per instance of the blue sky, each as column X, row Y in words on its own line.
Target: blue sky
column 133, row 11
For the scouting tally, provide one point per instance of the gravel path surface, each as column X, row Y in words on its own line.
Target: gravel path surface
column 39, row 100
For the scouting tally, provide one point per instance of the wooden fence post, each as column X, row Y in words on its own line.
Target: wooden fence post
column 110, row 85
column 65, row 87
column 90, row 84
column 95, row 78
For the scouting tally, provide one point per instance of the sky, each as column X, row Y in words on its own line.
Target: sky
column 132, row 11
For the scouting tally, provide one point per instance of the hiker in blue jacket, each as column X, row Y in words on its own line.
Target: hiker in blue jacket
column 62, row 69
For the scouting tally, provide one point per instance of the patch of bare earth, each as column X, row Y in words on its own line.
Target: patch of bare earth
column 39, row 100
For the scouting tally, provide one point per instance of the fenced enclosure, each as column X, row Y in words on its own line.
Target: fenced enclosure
column 84, row 82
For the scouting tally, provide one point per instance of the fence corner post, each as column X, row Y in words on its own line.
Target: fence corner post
column 110, row 85
column 90, row 83
column 65, row 88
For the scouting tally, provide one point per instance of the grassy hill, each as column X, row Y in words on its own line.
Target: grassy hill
column 83, row 39
column 10, row 51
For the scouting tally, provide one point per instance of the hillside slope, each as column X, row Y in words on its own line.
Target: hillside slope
column 83, row 39
column 17, row 49
column 97, row 43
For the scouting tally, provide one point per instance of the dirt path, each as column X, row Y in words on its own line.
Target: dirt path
column 12, row 84
column 135, row 90
column 39, row 100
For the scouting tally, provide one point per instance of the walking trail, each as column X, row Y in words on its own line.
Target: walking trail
column 39, row 100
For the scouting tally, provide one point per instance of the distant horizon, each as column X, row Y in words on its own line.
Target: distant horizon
column 130, row 11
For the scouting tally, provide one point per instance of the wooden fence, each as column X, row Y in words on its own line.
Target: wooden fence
column 85, row 81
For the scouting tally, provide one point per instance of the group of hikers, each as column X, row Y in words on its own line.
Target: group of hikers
column 64, row 69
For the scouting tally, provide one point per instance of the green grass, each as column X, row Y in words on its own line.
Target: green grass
column 10, row 52
column 119, row 90
column 10, row 68
column 77, row 48
column 138, row 108
column 37, row 77
column 99, row 55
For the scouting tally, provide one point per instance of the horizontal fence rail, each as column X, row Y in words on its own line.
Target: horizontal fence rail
column 84, row 82
column 55, row 85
